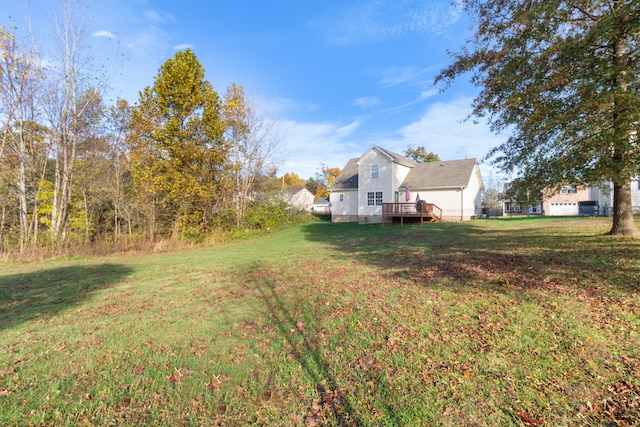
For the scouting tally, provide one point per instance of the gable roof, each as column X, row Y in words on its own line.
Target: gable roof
column 431, row 175
column 292, row 191
column 348, row 178
column 394, row 157
column 448, row 174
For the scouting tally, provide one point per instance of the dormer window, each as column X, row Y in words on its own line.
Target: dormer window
column 375, row 171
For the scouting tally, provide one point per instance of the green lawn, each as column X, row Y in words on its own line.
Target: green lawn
column 522, row 322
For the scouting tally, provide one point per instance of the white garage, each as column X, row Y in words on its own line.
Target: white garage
column 564, row 209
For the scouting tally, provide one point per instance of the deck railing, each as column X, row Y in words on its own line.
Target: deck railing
column 422, row 210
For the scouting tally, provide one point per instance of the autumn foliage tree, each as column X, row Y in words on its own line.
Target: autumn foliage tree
column 562, row 78
column 325, row 179
column 179, row 155
column 292, row 179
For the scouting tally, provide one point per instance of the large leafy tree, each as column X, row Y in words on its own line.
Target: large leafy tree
column 421, row 155
column 180, row 158
column 562, row 78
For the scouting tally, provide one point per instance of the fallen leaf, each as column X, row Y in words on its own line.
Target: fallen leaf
column 311, row 421
column 528, row 421
column 7, row 372
column 300, row 326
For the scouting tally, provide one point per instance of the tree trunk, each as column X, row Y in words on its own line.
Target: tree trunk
column 22, row 191
column 2, row 219
column 623, row 222
column 54, row 205
column 86, row 217
column 34, row 222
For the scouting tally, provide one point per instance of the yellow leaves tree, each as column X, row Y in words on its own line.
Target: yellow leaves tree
column 324, row 180
column 179, row 156
column 292, row 180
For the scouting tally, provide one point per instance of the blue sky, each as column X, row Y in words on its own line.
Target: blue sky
column 338, row 76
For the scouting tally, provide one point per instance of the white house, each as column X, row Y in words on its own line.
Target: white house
column 299, row 198
column 381, row 176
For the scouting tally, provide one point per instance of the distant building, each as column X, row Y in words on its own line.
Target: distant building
column 573, row 201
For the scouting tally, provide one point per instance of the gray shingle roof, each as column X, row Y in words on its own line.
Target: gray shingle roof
column 452, row 173
column 348, row 178
column 447, row 174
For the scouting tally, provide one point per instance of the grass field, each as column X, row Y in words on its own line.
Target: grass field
column 513, row 322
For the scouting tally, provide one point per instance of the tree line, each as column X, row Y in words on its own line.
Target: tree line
column 181, row 161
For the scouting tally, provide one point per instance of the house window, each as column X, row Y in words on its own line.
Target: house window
column 374, row 199
column 342, row 197
column 375, row 171
column 568, row 189
column 514, row 208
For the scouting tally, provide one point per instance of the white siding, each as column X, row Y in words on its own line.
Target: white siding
column 347, row 209
column 400, row 172
column 449, row 200
column 384, row 183
column 456, row 203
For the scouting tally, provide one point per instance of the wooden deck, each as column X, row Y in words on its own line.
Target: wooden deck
column 425, row 211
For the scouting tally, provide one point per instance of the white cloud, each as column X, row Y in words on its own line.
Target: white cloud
column 158, row 16
column 406, row 76
column 424, row 95
column 444, row 130
column 149, row 41
column 367, row 102
column 309, row 145
column 105, row 33
column 367, row 21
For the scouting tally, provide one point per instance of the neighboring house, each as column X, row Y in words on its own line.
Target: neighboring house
column 299, row 198
column 570, row 201
column 322, row 206
column 574, row 201
column 381, row 177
